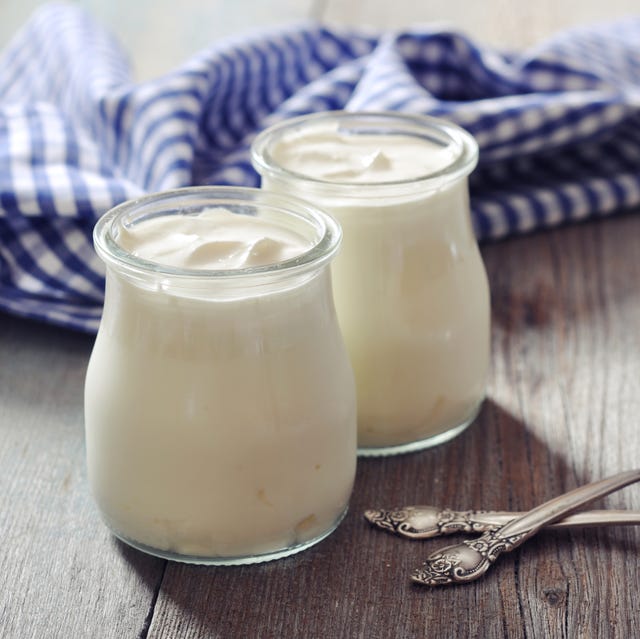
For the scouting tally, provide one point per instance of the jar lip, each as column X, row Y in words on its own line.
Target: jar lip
column 465, row 145
column 329, row 232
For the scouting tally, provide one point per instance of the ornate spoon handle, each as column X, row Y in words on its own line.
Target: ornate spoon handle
column 426, row 522
column 472, row 558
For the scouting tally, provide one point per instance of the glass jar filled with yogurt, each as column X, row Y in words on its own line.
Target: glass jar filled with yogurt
column 410, row 286
column 219, row 401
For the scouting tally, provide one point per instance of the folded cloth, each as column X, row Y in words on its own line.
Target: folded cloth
column 558, row 128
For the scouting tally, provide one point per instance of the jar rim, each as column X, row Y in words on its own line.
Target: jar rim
column 328, row 231
column 397, row 123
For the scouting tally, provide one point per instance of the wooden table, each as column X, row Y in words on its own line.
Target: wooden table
column 563, row 409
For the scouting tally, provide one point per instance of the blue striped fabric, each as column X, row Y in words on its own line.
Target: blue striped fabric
column 558, row 128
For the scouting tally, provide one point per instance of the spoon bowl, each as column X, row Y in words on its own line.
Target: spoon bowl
column 465, row 561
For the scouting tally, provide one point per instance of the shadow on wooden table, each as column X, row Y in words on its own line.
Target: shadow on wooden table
column 499, row 463
column 357, row 577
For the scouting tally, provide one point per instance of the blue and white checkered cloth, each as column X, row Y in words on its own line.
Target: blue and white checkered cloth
column 558, row 128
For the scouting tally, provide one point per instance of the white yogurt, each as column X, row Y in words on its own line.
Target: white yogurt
column 214, row 239
column 220, row 413
column 409, row 284
column 332, row 155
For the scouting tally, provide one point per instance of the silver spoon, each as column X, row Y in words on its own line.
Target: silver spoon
column 472, row 558
column 427, row 522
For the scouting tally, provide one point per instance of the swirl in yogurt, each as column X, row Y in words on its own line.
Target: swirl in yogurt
column 214, row 239
column 334, row 156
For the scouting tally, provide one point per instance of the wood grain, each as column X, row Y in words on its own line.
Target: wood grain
column 562, row 410
column 158, row 35
column 499, row 23
column 61, row 574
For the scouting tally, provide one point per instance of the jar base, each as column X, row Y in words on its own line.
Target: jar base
column 231, row 560
column 420, row 444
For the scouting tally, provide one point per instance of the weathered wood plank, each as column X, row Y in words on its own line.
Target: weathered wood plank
column 61, row 574
column 157, row 37
column 501, row 23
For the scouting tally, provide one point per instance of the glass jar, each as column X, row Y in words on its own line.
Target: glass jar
column 410, row 286
column 220, row 404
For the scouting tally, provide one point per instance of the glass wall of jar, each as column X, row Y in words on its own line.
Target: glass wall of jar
column 409, row 284
column 219, row 400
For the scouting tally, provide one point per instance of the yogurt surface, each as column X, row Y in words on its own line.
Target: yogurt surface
column 214, row 239
column 332, row 155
